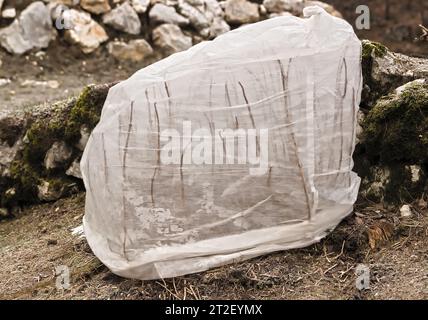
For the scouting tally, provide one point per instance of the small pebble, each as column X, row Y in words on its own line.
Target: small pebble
column 405, row 211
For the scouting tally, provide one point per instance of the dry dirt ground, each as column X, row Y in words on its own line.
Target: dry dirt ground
column 62, row 63
column 39, row 239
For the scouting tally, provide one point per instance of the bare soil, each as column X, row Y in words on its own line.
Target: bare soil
column 61, row 62
column 395, row 249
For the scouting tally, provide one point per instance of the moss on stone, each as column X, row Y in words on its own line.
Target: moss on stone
column 10, row 129
column 395, row 136
column 371, row 90
column 63, row 123
column 371, row 48
column 56, row 184
column 40, row 137
column 26, row 169
column 57, row 187
column 43, row 125
column 24, row 180
column 395, row 189
column 86, row 111
column 396, row 129
column 400, row 188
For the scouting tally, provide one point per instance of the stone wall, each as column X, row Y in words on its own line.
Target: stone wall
column 392, row 153
column 40, row 148
column 132, row 29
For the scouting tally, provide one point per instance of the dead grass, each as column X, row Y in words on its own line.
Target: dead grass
column 40, row 239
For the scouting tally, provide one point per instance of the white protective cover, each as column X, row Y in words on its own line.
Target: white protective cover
column 159, row 204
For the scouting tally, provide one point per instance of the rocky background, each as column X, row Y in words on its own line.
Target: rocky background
column 41, row 145
column 51, row 49
column 173, row 25
column 395, row 23
column 168, row 25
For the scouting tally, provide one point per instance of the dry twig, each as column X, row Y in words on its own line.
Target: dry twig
column 424, row 35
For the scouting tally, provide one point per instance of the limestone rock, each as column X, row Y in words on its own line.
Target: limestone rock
column 295, row 7
column 280, row 14
column 134, row 50
column 241, row 12
column 85, row 133
column 395, row 139
column 4, row 213
column 56, row 10
column 373, row 186
column 123, row 18
column 49, row 191
column 11, row 192
column 195, row 15
column 277, row 6
column 11, row 128
column 7, row 155
column 58, row 155
column 31, row 30
column 171, row 3
column 415, row 173
column 405, row 211
column 68, row 3
column 170, row 39
column 53, row 84
column 9, row 13
column 74, row 170
column 140, row 6
column 4, row 82
column 212, row 7
column 383, row 71
column 327, row 7
column 206, row 16
column 95, row 6
column 161, row 13
column 218, row 27
column 195, row 3
column 262, row 10
column 359, row 130
column 86, row 32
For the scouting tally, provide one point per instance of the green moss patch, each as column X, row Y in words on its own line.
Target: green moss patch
column 46, row 124
column 10, row 129
column 395, row 136
column 371, row 90
column 396, row 129
column 371, row 48
column 23, row 180
column 86, row 111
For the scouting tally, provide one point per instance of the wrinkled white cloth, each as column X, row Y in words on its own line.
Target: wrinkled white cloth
column 160, row 204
